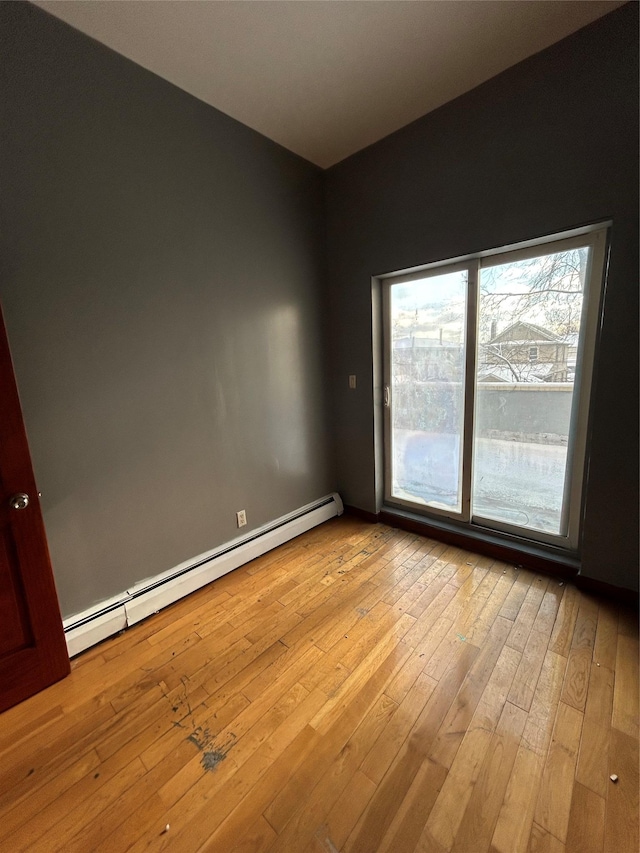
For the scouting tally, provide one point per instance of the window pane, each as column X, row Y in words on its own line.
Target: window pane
column 528, row 329
column 427, row 385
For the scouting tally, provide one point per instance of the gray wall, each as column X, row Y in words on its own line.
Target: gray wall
column 163, row 282
column 548, row 145
column 162, row 271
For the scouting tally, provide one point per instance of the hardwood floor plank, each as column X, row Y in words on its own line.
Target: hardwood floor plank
column 144, row 818
column 401, row 568
column 258, row 838
column 181, row 726
column 542, row 713
column 554, row 800
column 380, row 756
column 244, row 666
column 549, row 607
column 360, row 690
column 493, row 606
column 599, row 704
column 265, row 672
column 513, row 827
column 586, row 822
column 517, row 594
column 346, row 812
column 230, row 780
column 593, row 758
column 448, row 810
column 459, row 718
column 606, row 641
column 413, row 753
column 576, row 679
column 406, row 829
column 242, row 804
column 463, row 563
column 584, row 633
column 32, row 803
column 356, row 646
column 46, row 757
column 421, row 635
column 210, row 609
column 467, row 598
column 87, row 804
column 307, row 817
column 398, row 688
column 526, row 678
column 344, row 570
column 447, row 652
column 344, row 595
column 347, row 623
column 628, row 620
column 356, row 702
column 625, row 692
column 494, row 696
column 565, row 623
column 488, row 598
column 19, row 728
column 527, row 614
column 140, row 809
column 542, row 841
column 621, row 822
column 386, row 657
column 479, row 819
column 426, row 844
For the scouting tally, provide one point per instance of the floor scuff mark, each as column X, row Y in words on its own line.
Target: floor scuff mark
column 200, row 736
column 322, row 836
column 212, row 754
column 211, row 759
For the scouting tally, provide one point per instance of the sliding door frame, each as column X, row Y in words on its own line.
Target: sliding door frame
column 471, row 267
column 596, row 238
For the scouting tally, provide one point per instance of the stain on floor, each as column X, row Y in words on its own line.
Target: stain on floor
column 212, row 758
column 200, row 736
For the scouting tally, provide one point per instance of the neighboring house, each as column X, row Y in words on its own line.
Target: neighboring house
column 420, row 358
column 524, row 352
column 572, row 356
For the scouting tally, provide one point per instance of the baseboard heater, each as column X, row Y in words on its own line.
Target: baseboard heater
column 109, row 617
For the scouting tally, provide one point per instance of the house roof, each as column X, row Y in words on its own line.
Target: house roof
column 522, row 332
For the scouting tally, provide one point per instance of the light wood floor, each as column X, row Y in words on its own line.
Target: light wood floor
column 360, row 689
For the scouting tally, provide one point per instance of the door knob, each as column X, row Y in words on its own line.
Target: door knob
column 19, row 501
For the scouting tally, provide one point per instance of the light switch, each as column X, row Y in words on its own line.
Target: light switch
column 352, row 381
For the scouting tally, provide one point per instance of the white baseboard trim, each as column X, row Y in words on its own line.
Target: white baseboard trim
column 85, row 629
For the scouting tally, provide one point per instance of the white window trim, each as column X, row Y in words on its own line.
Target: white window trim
column 594, row 236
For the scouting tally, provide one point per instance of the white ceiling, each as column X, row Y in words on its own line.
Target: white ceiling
column 326, row 78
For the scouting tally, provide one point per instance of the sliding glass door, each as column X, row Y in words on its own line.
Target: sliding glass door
column 428, row 319
column 488, row 368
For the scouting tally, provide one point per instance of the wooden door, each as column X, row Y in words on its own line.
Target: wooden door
column 33, row 652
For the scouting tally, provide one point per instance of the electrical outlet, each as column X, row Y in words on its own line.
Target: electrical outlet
column 241, row 518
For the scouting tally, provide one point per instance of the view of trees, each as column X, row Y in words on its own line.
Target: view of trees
column 528, row 322
column 546, row 291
